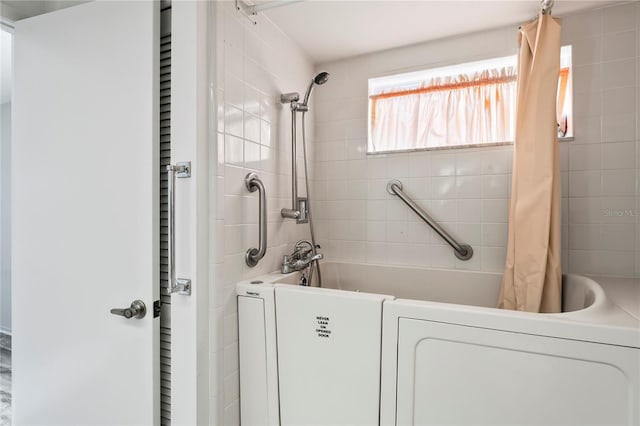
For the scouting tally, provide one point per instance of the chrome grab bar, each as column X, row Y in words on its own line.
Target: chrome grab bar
column 176, row 285
column 462, row 251
column 253, row 255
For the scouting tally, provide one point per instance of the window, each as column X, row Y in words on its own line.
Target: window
column 462, row 105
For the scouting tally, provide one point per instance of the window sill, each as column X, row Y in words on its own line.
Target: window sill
column 441, row 148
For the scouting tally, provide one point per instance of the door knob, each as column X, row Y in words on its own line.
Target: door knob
column 136, row 310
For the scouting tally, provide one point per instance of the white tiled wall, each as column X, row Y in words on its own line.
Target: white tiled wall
column 467, row 189
column 603, row 224
column 255, row 64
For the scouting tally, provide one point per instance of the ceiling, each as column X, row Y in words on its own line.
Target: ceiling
column 329, row 30
column 21, row 9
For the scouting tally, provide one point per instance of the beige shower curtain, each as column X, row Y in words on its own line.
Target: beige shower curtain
column 532, row 278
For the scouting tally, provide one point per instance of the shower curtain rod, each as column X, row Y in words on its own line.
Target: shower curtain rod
column 251, row 10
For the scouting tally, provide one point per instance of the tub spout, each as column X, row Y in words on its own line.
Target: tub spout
column 301, row 258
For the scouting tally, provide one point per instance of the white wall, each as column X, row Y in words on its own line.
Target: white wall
column 255, row 64
column 5, row 217
column 468, row 189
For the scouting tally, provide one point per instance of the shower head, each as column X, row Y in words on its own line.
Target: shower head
column 320, row 78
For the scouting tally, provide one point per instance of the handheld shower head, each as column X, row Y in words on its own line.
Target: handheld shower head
column 320, row 78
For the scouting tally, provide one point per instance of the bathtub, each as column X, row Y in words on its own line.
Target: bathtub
column 389, row 345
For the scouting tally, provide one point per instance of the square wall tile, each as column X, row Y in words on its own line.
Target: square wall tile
column 497, row 161
column 469, row 233
column 397, row 166
column 469, row 210
column 621, row 155
column 468, row 164
column 233, row 88
column 618, row 101
column 469, row 186
column 233, row 150
column 494, row 234
column 442, row 257
column 619, row 18
column 619, row 73
column 618, row 237
column 252, row 156
column 585, row 24
column 444, row 187
column 397, row 211
column 376, row 252
column 587, row 78
column 419, row 188
column 233, row 123
column 584, row 157
column 585, row 210
column 443, row 164
column 493, row 259
column 376, row 167
column 619, row 182
column 619, row 127
column 443, row 210
column 397, row 232
column 419, row 164
column 587, row 51
column 584, row 183
column 495, row 186
column 586, row 104
column 419, row 233
column 583, row 236
column 619, row 45
column 376, row 231
column 495, row 210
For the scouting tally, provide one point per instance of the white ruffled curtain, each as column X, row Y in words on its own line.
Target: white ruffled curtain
column 478, row 110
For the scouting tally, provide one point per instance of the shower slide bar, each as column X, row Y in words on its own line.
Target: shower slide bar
column 462, row 251
column 176, row 285
column 253, row 255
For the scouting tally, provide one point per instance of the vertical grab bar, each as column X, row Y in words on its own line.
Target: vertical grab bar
column 253, row 255
column 176, row 285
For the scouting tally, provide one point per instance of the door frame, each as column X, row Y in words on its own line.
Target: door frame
column 190, row 141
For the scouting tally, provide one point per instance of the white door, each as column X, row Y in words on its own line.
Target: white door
column 85, row 209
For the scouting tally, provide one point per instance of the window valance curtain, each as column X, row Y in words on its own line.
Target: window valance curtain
column 465, row 109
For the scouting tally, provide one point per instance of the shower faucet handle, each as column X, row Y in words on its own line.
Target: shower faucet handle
column 137, row 310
